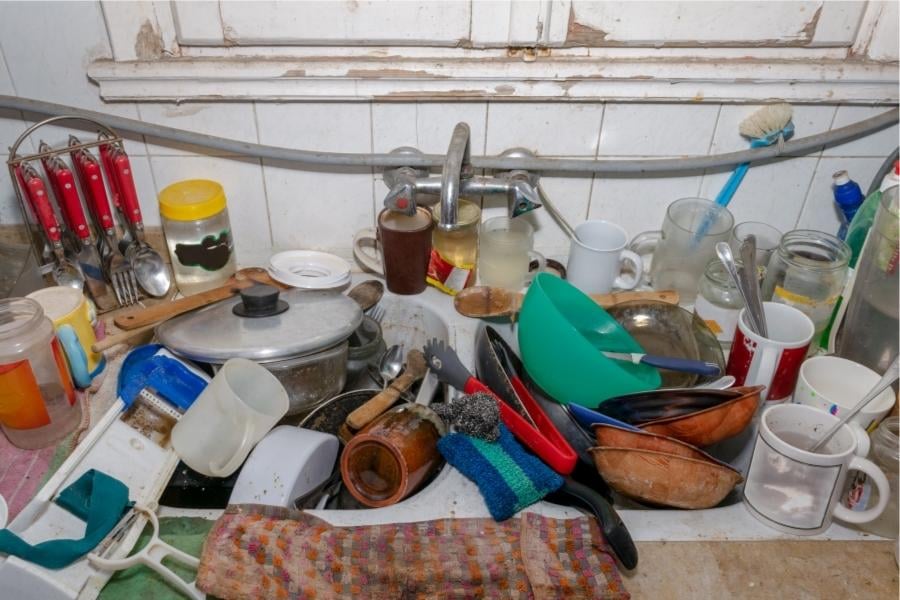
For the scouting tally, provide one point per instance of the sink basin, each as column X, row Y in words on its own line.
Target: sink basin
column 411, row 320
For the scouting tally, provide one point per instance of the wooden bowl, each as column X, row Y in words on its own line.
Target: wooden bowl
column 658, row 470
column 711, row 425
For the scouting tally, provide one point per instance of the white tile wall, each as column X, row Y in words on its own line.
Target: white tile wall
column 819, row 211
column 234, row 120
column 548, row 129
column 657, row 129
column 48, row 45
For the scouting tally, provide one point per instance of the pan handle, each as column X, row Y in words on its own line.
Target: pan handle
column 614, row 530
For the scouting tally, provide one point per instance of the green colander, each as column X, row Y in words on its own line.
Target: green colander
column 561, row 335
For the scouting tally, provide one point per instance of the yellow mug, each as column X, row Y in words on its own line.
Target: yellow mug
column 73, row 315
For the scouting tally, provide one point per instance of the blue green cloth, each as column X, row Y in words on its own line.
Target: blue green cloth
column 97, row 499
column 508, row 477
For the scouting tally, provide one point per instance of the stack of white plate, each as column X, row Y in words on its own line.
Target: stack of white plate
column 309, row 270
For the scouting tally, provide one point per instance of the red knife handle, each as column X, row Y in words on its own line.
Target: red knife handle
column 95, row 191
column 50, row 170
column 71, row 204
column 130, row 205
column 43, row 210
column 558, row 460
column 106, row 152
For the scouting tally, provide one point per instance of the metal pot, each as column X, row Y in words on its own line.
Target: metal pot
column 299, row 335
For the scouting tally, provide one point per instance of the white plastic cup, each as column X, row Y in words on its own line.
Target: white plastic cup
column 238, row 407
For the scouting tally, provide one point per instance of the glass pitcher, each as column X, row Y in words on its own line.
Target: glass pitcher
column 869, row 331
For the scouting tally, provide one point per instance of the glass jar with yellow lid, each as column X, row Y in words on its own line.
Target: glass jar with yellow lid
column 454, row 254
column 198, row 234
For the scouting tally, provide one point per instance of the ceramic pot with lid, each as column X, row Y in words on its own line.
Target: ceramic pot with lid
column 298, row 335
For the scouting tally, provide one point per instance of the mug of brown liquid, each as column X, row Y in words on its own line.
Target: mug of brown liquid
column 405, row 243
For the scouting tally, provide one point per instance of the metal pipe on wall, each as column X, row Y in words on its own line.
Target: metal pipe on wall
column 795, row 147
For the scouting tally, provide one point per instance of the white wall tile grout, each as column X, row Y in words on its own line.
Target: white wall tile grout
column 262, row 171
column 811, row 186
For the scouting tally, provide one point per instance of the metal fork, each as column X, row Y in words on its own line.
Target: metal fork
column 377, row 313
column 121, row 275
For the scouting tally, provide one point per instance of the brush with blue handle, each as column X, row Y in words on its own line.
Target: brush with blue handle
column 764, row 127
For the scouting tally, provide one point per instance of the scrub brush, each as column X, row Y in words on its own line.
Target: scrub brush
column 763, row 128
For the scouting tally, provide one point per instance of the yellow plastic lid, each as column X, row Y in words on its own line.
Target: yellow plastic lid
column 468, row 213
column 191, row 200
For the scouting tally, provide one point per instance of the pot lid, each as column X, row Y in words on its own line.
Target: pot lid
column 312, row 321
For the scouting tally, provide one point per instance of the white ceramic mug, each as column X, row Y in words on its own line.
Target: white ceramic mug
column 596, row 257
column 238, row 407
column 836, row 385
column 773, row 361
column 796, row 491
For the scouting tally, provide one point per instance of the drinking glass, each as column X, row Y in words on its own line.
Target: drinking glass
column 505, row 251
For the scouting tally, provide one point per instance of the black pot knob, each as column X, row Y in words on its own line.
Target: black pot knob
column 259, row 301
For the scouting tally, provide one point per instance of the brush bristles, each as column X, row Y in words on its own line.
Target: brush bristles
column 767, row 120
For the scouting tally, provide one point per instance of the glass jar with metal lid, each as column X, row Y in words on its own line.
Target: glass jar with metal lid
column 718, row 301
column 198, row 234
column 454, row 254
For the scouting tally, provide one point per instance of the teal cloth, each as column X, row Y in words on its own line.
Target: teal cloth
column 95, row 498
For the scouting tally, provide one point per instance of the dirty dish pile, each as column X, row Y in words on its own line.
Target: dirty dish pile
column 660, row 470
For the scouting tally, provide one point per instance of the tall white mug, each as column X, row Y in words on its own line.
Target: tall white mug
column 799, row 492
column 596, row 257
column 238, row 407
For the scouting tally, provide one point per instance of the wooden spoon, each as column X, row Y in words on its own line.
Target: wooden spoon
column 416, row 367
column 484, row 301
column 141, row 317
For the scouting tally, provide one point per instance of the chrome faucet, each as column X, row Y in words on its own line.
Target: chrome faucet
column 410, row 187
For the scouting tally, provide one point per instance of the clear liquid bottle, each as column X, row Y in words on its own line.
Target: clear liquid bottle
column 868, row 333
column 885, row 453
column 38, row 405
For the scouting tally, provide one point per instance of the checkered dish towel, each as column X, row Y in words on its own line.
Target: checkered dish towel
column 270, row 552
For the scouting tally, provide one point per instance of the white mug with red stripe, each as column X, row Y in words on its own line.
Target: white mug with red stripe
column 773, row 361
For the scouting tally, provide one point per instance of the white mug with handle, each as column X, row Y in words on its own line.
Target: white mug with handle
column 799, row 492
column 238, row 407
column 596, row 257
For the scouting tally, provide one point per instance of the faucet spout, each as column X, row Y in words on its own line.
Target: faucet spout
column 457, row 168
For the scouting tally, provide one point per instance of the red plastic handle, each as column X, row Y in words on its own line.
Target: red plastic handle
column 93, row 188
column 130, row 204
column 106, row 152
column 50, row 170
column 40, row 204
column 71, row 204
column 544, row 424
column 557, row 459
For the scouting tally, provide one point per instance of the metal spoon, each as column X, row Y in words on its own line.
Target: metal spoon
column 723, row 251
column 751, row 283
column 391, row 364
column 889, row 377
column 150, row 269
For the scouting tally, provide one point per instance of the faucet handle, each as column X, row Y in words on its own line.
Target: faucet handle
column 402, row 198
column 523, row 197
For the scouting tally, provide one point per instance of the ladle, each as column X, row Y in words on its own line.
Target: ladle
column 889, row 377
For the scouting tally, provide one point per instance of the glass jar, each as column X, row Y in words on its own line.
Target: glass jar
column 37, row 399
column 868, row 334
column 885, row 452
column 808, row 272
column 454, row 253
column 719, row 302
column 198, row 234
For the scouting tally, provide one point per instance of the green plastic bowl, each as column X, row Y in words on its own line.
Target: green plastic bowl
column 561, row 335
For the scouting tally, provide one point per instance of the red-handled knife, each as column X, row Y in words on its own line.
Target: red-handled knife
column 91, row 176
column 106, row 153
column 446, row 365
column 125, row 183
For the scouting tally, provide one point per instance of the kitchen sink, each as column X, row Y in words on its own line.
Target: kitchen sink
column 412, row 320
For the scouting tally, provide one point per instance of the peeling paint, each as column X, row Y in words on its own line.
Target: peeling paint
column 387, row 73
column 148, row 44
column 184, row 111
column 807, row 32
column 294, row 73
column 582, row 35
column 505, row 90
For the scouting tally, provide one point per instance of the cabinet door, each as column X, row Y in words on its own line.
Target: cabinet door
column 706, row 24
